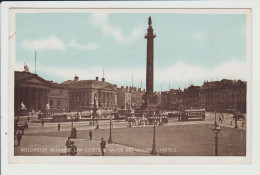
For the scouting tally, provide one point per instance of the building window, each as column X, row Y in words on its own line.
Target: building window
column 58, row 102
column 51, row 103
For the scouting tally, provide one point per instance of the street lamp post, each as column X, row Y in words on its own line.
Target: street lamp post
column 154, row 147
column 216, row 130
column 236, row 122
column 95, row 108
column 18, row 111
column 72, row 118
column 110, row 133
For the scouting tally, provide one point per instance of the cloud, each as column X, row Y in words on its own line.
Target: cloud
column 176, row 73
column 184, row 72
column 89, row 46
column 54, row 43
column 100, row 21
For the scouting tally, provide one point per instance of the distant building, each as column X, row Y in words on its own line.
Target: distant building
column 171, row 100
column 82, row 93
column 224, row 95
column 191, row 97
column 129, row 97
column 72, row 95
column 59, row 97
column 136, row 97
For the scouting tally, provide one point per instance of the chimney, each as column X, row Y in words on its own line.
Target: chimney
column 96, row 78
column 103, row 79
column 76, row 78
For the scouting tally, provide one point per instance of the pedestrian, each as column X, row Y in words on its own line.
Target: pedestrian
column 26, row 125
column 68, row 143
column 231, row 122
column 58, row 126
column 72, row 133
column 222, row 116
column 90, row 135
column 103, row 146
column 75, row 133
column 19, row 137
column 42, row 123
column 28, row 119
column 73, row 149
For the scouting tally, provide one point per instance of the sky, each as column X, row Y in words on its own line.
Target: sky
column 188, row 48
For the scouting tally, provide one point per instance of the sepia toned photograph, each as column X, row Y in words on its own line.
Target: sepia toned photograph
column 130, row 82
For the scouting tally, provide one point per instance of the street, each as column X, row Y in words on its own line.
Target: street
column 176, row 138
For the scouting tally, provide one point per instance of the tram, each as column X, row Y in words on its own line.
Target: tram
column 192, row 114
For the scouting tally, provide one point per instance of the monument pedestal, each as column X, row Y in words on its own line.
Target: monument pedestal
column 150, row 102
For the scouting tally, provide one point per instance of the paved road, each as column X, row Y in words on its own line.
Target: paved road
column 54, row 141
column 84, row 125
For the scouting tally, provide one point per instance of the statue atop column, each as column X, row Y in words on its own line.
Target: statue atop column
column 26, row 68
column 150, row 98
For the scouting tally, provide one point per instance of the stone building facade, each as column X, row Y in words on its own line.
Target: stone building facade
column 72, row 95
column 191, row 97
column 35, row 93
column 59, row 97
column 129, row 97
column 224, row 95
column 31, row 90
column 171, row 100
column 83, row 92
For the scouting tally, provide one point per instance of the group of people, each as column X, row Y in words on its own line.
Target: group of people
column 72, row 148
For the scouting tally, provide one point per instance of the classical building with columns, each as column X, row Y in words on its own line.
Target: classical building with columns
column 35, row 93
column 31, row 90
column 72, row 95
column 83, row 92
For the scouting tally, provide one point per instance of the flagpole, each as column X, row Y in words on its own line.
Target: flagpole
column 35, row 62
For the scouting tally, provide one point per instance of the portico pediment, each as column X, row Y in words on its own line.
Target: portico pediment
column 108, row 88
column 30, row 79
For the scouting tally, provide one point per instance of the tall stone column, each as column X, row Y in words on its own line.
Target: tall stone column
column 115, row 98
column 103, row 97
column 39, row 100
column 42, row 99
column 150, row 56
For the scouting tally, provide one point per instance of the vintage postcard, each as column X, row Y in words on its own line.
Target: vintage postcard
column 140, row 85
